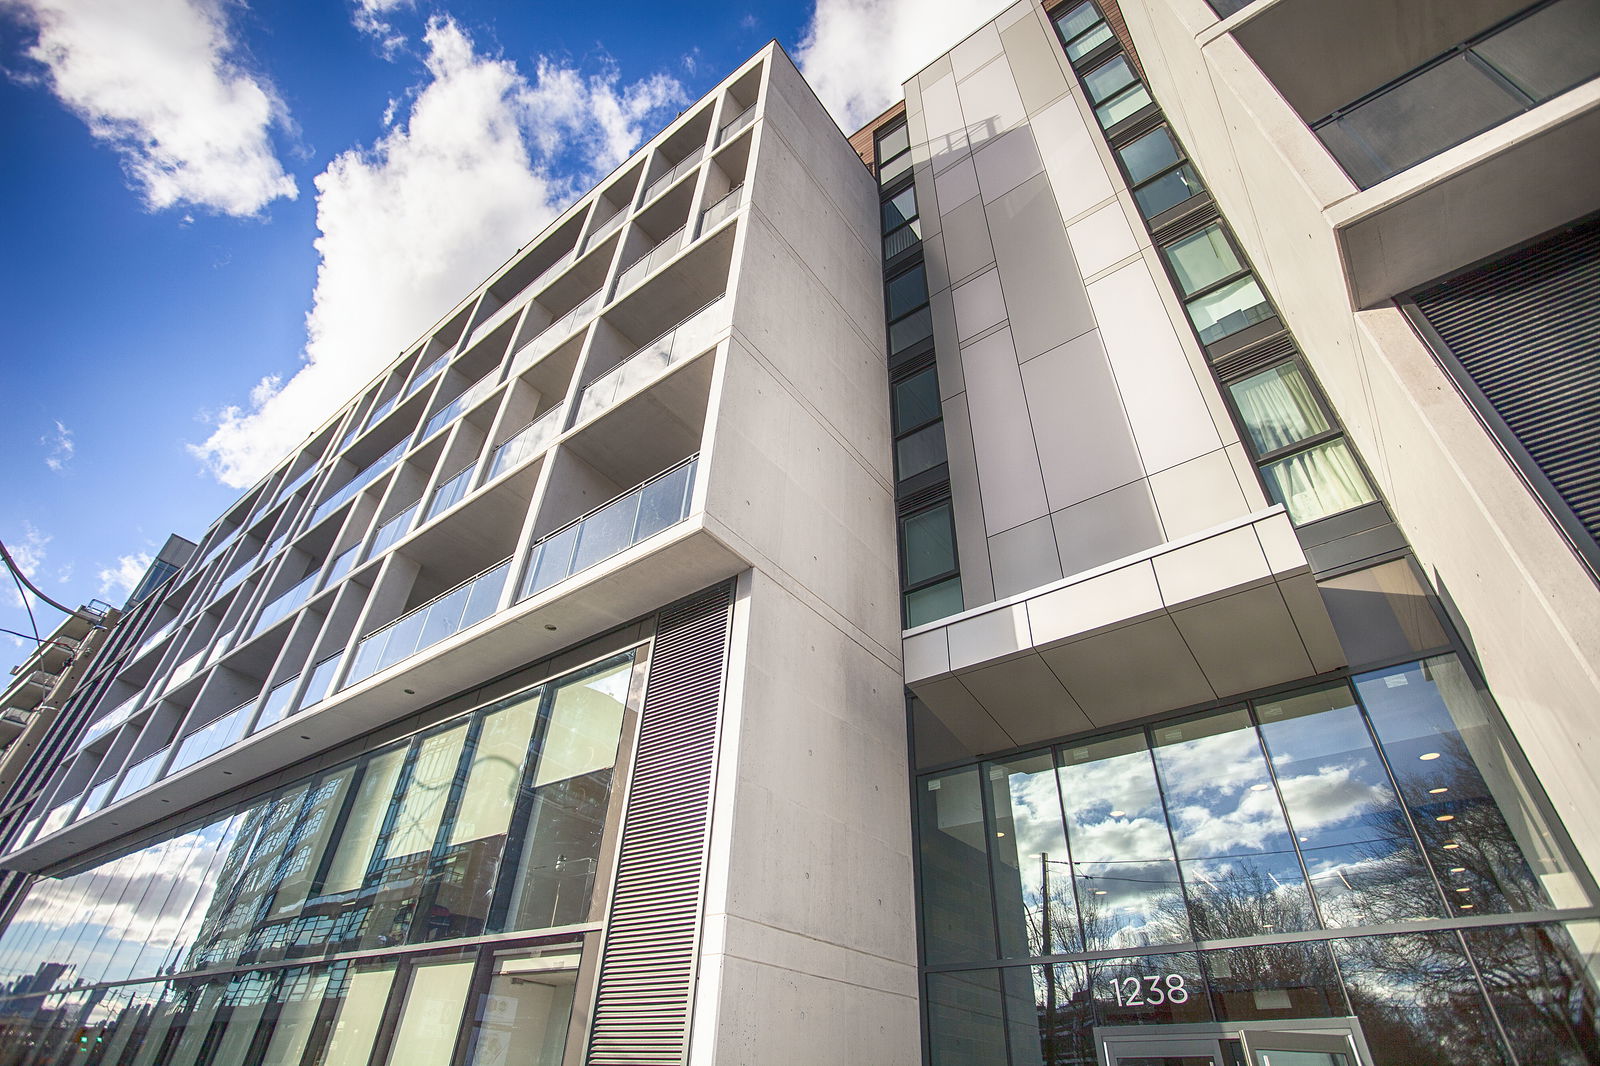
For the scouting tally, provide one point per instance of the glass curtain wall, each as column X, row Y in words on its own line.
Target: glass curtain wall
column 1190, row 848
column 489, row 823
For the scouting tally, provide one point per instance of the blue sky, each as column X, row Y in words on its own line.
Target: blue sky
column 219, row 220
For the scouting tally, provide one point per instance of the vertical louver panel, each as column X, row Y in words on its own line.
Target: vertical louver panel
column 1526, row 333
column 646, row 978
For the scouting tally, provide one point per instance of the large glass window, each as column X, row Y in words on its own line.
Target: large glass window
column 1082, row 30
column 928, row 564
column 1279, row 408
column 893, row 153
column 1161, row 176
column 1222, row 297
column 1116, row 92
column 918, row 424
column 901, row 228
column 1318, row 482
column 957, row 922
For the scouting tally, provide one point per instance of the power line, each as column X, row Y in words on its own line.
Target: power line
column 22, row 579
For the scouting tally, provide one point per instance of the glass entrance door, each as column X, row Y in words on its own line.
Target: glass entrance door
column 1310, row 1042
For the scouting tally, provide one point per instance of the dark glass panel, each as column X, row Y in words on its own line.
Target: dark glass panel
column 1550, row 51
column 922, row 450
column 900, row 208
column 966, row 1025
column 1365, row 865
column 915, row 327
column 1149, row 154
column 1274, row 981
column 1148, row 990
column 916, row 400
column 1239, row 866
column 1168, row 191
column 928, row 544
column 906, row 291
column 1418, row 1001
column 957, row 904
column 935, row 601
column 1229, row 309
column 1127, row 883
column 1032, row 869
column 1109, row 79
column 1489, row 844
column 1077, row 20
column 1542, row 992
column 1202, row 259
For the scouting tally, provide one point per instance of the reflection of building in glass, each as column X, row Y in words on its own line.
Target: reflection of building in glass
column 549, row 704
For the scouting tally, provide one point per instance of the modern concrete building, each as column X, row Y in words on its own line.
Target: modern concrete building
column 1077, row 589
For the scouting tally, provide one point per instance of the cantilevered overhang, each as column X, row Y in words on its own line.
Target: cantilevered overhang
column 670, row 565
column 1521, row 179
column 1225, row 611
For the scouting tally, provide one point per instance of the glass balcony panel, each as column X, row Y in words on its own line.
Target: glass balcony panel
column 606, row 532
column 1439, row 108
column 321, row 682
column 391, row 531
column 1550, row 51
column 664, row 502
column 139, row 775
column 277, row 705
column 528, row 441
column 735, row 124
column 722, row 209
column 484, row 596
column 555, row 557
column 443, row 618
column 403, row 640
column 342, row 565
column 368, row 653
column 449, row 494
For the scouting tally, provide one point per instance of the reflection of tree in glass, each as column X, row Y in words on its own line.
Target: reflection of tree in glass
column 1247, row 900
column 1537, row 982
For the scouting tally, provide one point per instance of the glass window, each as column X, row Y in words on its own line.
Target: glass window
column 1149, row 155
column 360, row 998
column 1546, row 1002
column 1364, row 864
column 954, row 861
column 363, row 823
column 912, row 329
column 1168, row 191
column 1481, row 829
column 966, row 1023
column 1278, row 408
column 928, row 544
column 1074, row 22
column 431, row 1013
column 522, row 1019
column 1202, row 259
column 907, row 291
column 900, row 209
column 1032, row 867
column 1318, row 482
column 1227, row 310
column 1274, row 981
column 299, row 1000
column 1122, row 106
column 916, row 400
column 1235, row 852
column 1550, row 51
column 934, row 601
column 893, row 141
column 1127, row 882
column 919, row 451
column 1108, row 79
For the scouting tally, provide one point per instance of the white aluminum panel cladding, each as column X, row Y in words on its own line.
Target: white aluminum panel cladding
column 967, row 249
column 1258, row 620
column 954, row 186
column 1199, row 494
column 946, row 349
column 990, row 636
column 1008, row 464
column 941, row 110
column 1077, row 173
column 1044, row 294
column 977, row 586
column 1085, row 445
column 1033, row 57
column 1107, row 527
column 979, row 305
column 1114, row 598
column 1169, row 416
column 975, row 51
column 990, row 102
column 1024, row 557
column 1208, row 568
column 1006, row 162
column 1110, row 675
column 1102, row 239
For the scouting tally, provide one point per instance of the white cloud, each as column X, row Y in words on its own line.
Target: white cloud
column 858, row 53
column 29, row 557
column 371, row 17
column 155, row 81
column 408, row 226
column 59, row 448
column 123, row 576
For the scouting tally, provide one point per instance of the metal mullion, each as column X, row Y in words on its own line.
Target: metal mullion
column 1288, row 823
column 1304, row 444
column 1066, row 835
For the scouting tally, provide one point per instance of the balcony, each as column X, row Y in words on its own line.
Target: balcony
column 643, row 511
column 550, row 338
column 606, row 228
column 450, row 492
column 641, row 267
column 392, row 530
column 140, row 775
column 469, row 396
column 720, row 210
column 441, row 617
column 686, row 339
column 354, row 486
column 106, row 723
column 212, row 737
column 526, row 442
column 735, row 124
column 426, row 374
column 684, row 166
column 285, row 603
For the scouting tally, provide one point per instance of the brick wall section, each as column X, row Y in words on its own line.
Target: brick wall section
column 861, row 139
column 1114, row 19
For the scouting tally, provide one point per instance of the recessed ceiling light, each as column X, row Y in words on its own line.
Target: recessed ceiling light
column 999, row 834
column 1463, row 890
column 1458, row 869
column 551, row 628
column 409, row 691
column 1466, row 906
column 1099, row 891
column 1428, row 756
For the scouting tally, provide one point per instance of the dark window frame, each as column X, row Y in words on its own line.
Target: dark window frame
column 907, row 587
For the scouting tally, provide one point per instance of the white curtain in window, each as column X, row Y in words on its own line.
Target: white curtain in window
column 1318, row 482
column 1278, row 408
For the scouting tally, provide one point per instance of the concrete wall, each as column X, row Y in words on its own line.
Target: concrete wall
column 1519, row 595
column 1082, row 423
column 808, row 943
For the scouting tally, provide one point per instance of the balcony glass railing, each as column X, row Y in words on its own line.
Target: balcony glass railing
column 381, row 410
column 186, row 669
column 605, row 229
column 392, row 530
column 722, row 209
column 426, row 374
column 211, row 738
column 58, row 816
column 297, row 484
column 321, row 682
column 526, row 442
column 687, row 338
column 625, row 521
column 277, row 705
column 641, row 267
column 367, row 475
column 450, row 492
column 286, row 602
column 140, row 775
column 219, row 647
column 155, row 638
column 341, row 565
column 97, row 797
column 549, row 338
column 469, row 396
column 735, row 124
column 106, row 723
column 688, row 163
column 443, row 616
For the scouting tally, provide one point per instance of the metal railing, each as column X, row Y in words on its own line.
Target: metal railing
column 735, row 124
column 286, row 602
column 365, row 477
column 468, row 396
column 658, row 253
column 528, row 440
column 642, row 511
column 722, row 209
column 140, row 775
column 679, row 169
column 443, row 616
column 450, row 492
column 624, row 379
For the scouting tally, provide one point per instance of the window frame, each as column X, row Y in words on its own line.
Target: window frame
column 1156, row 219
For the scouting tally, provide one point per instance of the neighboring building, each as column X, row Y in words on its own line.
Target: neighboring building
column 551, row 704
